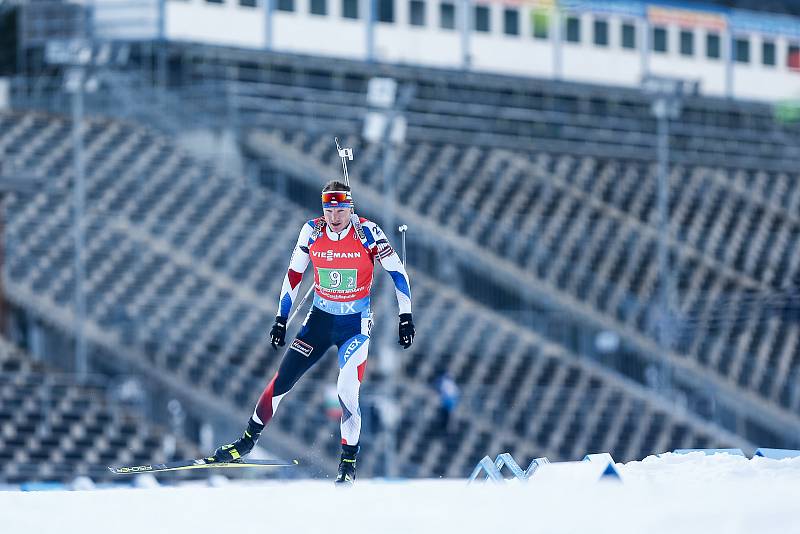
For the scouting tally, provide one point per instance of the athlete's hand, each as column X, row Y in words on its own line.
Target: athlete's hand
column 406, row 330
column 278, row 333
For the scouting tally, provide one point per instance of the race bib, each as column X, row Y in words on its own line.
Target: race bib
column 338, row 279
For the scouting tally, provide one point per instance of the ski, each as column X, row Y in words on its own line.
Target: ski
column 199, row 463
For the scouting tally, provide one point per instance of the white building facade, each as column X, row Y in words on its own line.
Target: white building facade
column 734, row 53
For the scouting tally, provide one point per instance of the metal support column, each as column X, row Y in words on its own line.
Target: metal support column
column 369, row 19
column 665, row 272
column 556, row 23
column 466, row 27
column 667, row 94
column 728, row 55
column 78, row 75
column 390, row 442
column 268, row 11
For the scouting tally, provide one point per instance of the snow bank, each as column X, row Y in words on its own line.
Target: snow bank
column 683, row 494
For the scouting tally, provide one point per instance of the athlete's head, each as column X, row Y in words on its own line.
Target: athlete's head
column 337, row 205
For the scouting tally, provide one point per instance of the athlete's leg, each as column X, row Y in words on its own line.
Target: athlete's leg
column 307, row 348
column 352, row 364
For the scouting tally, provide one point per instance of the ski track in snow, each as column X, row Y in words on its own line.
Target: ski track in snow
column 685, row 494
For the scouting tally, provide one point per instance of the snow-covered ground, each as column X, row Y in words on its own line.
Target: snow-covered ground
column 682, row 494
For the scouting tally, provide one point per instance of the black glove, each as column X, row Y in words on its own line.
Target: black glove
column 406, row 330
column 278, row 333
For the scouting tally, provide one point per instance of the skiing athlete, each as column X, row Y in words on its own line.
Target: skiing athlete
column 342, row 249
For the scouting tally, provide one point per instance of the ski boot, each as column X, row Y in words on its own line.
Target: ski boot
column 347, row 466
column 241, row 447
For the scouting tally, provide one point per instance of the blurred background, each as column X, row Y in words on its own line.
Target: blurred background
column 603, row 204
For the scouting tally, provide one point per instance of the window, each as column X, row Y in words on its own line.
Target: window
column 215, row 1
column 511, row 21
column 350, row 9
column 687, row 43
column 628, row 35
column 481, row 18
column 285, row 5
column 248, row 3
column 768, row 53
column 741, row 50
column 541, row 23
column 793, row 57
column 417, row 13
column 601, row 32
column 447, row 16
column 573, row 29
column 712, row 45
column 385, row 10
column 319, row 7
column 659, row 39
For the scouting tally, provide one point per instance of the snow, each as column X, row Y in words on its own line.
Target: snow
column 683, row 494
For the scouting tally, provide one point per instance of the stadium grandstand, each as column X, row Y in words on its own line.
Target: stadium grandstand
column 603, row 259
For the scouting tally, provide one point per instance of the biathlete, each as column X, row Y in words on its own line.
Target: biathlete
column 342, row 248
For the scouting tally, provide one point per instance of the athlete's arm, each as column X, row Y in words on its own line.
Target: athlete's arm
column 294, row 274
column 390, row 261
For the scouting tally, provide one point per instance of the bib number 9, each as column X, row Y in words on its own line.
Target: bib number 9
column 338, row 279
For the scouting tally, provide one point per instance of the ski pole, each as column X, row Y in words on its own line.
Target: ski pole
column 402, row 229
column 297, row 309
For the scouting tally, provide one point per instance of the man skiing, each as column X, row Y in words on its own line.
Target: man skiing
column 342, row 249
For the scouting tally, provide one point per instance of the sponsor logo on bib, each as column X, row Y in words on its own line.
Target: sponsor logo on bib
column 330, row 255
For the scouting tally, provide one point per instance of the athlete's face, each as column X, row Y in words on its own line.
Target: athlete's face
column 337, row 218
